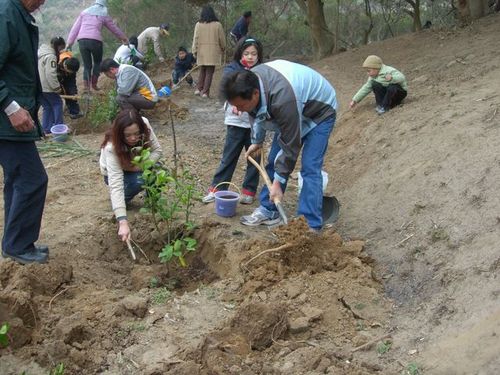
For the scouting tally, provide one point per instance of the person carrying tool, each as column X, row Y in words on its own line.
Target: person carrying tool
column 129, row 134
column 153, row 34
column 135, row 90
column 300, row 105
column 184, row 62
column 67, row 68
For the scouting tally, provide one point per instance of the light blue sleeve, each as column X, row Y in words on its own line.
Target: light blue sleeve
column 258, row 131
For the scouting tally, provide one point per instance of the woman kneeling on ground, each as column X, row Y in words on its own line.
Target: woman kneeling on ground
column 125, row 140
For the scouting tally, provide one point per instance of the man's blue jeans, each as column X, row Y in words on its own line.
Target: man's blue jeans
column 24, row 191
column 314, row 146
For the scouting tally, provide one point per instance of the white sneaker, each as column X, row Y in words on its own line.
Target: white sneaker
column 209, row 198
column 204, row 96
column 247, row 199
column 197, row 92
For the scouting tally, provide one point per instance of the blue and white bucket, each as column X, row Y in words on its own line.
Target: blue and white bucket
column 59, row 132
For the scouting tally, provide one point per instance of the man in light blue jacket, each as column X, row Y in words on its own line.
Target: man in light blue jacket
column 300, row 105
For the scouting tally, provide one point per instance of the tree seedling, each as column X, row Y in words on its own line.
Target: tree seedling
column 169, row 200
column 384, row 347
column 161, row 296
column 4, row 339
column 412, row 369
column 58, row 370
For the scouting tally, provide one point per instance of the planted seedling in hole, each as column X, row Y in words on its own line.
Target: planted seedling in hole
column 154, row 282
column 161, row 296
column 384, row 347
column 4, row 340
column 412, row 369
column 103, row 110
column 169, row 200
column 58, row 370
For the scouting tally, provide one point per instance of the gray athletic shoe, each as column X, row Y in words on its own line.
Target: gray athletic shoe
column 259, row 217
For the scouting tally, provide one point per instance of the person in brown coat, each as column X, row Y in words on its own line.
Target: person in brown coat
column 209, row 44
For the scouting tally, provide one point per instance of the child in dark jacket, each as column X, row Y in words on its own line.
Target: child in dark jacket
column 66, row 73
column 184, row 62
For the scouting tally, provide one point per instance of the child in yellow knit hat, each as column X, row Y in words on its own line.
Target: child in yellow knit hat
column 387, row 83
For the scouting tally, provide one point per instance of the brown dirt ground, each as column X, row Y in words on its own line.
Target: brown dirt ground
column 414, row 254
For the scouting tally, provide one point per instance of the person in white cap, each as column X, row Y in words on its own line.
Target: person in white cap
column 153, row 34
column 87, row 30
column 387, row 83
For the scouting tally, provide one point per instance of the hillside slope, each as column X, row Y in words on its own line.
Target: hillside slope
column 420, row 184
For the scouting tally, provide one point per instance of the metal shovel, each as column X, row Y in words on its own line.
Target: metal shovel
column 330, row 210
column 269, row 184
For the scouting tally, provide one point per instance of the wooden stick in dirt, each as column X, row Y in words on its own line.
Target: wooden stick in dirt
column 187, row 74
column 71, row 97
column 142, row 251
column 371, row 342
column 279, row 248
column 129, row 245
column 173, row 137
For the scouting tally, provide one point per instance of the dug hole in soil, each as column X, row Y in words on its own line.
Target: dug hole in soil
column 236, row 309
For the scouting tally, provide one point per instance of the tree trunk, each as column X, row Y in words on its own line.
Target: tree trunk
column 323, row 39
column 415, row 14
column 368, row 12
column 472, row 9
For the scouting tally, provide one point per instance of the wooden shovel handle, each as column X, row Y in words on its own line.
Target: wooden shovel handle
column 262, row 171
column 264, row 174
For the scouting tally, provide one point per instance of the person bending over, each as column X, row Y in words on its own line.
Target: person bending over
column 128, row 136
column 134, row 88
column 299, row 105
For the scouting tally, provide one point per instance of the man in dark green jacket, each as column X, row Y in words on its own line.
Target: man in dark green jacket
column 25, row 179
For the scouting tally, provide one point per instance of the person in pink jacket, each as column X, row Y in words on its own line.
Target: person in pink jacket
column 87, row 30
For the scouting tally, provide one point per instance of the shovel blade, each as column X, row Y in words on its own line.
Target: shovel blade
column 330, row 210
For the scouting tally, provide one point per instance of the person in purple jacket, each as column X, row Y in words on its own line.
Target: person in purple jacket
column 87, row 30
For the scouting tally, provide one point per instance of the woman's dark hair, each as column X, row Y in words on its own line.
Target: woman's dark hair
column 107, row 64
column 243, row 44
column 72, row 63
column 116, row 135
column 240, row 84
column 208, row 14
column 57, row 44
column 247, row 14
